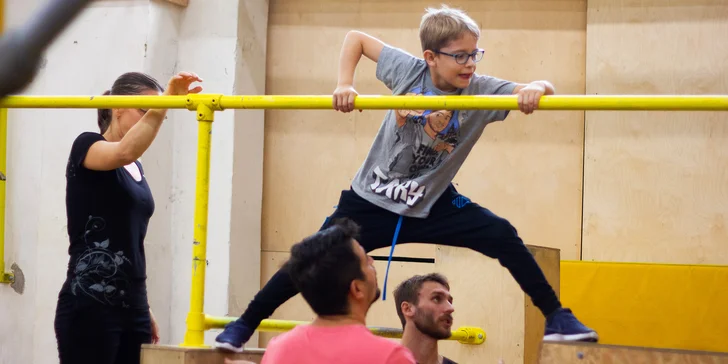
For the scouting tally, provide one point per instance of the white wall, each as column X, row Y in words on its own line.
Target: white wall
column 209, row 44
column 153, row 36
column 248, row 158
column 160, row 60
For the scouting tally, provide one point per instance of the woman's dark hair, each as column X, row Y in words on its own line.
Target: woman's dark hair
column 130, row 83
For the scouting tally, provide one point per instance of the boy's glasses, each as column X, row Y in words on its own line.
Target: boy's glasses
column 462, row 57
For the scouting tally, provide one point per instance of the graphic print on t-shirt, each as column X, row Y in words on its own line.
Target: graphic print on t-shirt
column 98, row 270
column 423, row 139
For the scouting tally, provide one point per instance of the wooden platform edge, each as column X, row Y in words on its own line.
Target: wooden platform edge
column 549, row 260
column 172, row 354
column 593, row 353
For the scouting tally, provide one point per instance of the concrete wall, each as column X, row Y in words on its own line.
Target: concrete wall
column 109, row 38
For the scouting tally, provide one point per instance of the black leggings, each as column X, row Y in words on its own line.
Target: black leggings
column 89, row 332
column 453, row 221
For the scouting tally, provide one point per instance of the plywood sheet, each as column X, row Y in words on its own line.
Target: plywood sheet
column 534, row 322
column 171, row 354
column 655, row 182
column 487, row 296
column 528, row 169
column 583, row 353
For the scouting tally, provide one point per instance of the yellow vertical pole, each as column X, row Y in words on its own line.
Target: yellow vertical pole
column 5, row 277
column 195, row 334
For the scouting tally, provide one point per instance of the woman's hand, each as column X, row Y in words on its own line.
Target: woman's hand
column 180, row 83
column 155, row 328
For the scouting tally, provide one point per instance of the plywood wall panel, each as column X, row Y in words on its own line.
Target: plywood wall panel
column 487, row 296
column 527, row 169
column 655, row 182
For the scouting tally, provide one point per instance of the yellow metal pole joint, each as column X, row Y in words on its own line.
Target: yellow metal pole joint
column 470, row 335
column 205, row 106
column 211, row 101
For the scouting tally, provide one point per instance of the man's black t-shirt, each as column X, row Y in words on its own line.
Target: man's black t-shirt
column 108, row 213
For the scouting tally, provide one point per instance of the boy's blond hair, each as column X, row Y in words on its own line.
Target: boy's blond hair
column 444, row 25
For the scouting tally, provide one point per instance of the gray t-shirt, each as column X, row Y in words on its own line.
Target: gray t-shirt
column 417, row 153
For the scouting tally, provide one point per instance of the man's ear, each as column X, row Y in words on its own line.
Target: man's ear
column 356, row 289
column 408, row 309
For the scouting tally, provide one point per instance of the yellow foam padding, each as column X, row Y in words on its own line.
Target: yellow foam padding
column 651, row 305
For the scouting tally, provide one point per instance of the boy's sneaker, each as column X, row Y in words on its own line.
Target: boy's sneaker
column 563, row 326
column 235, row 335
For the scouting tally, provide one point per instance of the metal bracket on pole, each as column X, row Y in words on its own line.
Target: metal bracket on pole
column 472, row 335
column 211, row 101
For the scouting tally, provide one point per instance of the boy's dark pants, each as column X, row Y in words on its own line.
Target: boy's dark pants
column 453, row 221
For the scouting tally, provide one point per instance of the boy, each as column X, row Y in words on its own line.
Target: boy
column 403, row 191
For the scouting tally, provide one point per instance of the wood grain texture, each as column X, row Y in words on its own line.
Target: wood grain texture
column 563, row 353
column 655, row 183
column 549, row 260
column 527, row 169
column 168, row 354
column 487, row 296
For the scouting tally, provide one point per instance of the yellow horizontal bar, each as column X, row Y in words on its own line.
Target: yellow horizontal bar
column 93, row 102
column 490, row 102
column 218, row 322
column 465, row 335
column 559, row 102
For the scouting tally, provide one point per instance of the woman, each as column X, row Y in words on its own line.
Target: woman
column 103, row 315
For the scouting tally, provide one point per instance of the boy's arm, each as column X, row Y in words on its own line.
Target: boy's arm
column 355, row 45
column 530, row 94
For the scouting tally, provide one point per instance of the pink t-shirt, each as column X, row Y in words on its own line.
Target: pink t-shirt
column 351, row 344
